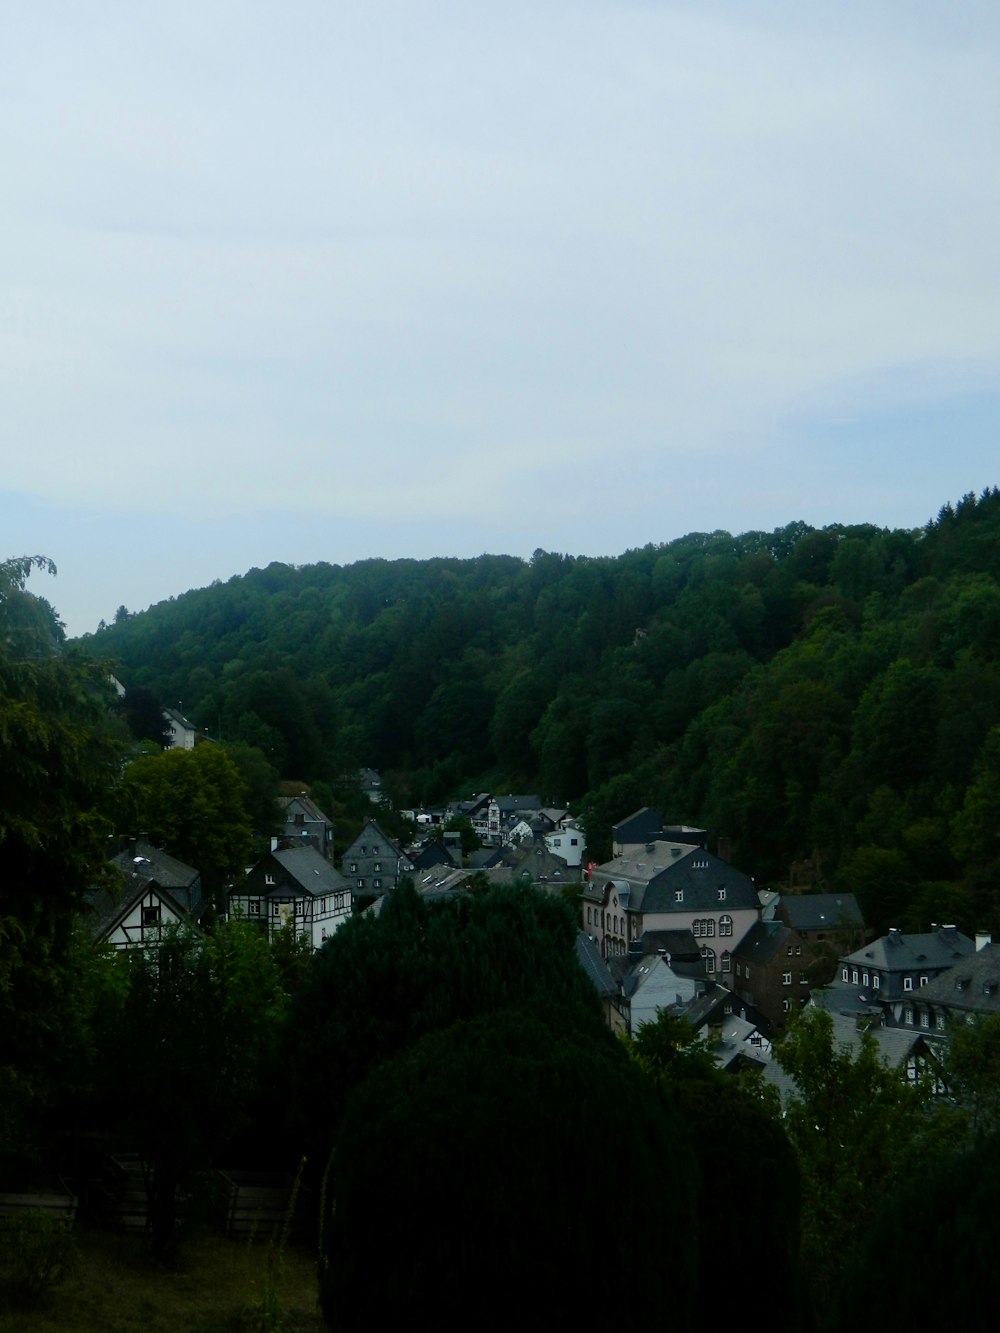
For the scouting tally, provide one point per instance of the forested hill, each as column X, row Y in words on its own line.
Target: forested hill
column 828, row 695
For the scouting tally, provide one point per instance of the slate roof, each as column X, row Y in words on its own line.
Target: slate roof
column 821, row 911
column 637, row 868
column 307, row 805
column 430, row 855
column 762, row 942
column 144, row 866
column 509, row 805
column 589, row 957
column 310, row 870
column 897, row 952
column 699, row 875
column 644, row 825
column 849, row 1000
column 971, row 986
column 140, row 857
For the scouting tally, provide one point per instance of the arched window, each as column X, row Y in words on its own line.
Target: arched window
column 725, row 925
column 708, row 956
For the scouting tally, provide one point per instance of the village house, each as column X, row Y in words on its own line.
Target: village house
column 886, row 973
column 158, row 892
column 964, row 993
column 294, row 888
column 791, row 950
column 373, row 863
column 305, row 822
column 670, row 886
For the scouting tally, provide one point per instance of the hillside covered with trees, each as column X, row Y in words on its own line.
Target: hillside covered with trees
column 826, row 699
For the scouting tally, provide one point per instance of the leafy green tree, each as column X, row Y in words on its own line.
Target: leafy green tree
column 972, row 1071
column 198, row 1025
column 463, row 824
column 143, row 714
column 58, row 761
column 853, row 1122
column 383, row 982
column 743, row 1153
column 194, row 803
column 945, row 1272
column 498, row 1191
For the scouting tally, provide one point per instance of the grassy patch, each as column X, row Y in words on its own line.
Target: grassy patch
column 117, row 1288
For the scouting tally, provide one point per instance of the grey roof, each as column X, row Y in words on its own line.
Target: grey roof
column 145, row 868
column 637, row 868
column 897, row 952
column 432, row 853
column 972, row 985
column 595, row 967
column 676, row 943
column 711, row 1005
column 394, row 846
column 310, row 870
column 762, row 942
column 699, row 875
column 512, row 804
column 850, row 1001
column 307, row 805
column 175, row 716
column 643, row 825
column 483, row 858
column 821, row 911
column 140, row 857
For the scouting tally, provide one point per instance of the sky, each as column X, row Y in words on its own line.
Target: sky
column 325, row 281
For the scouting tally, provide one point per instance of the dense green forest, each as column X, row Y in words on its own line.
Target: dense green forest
column 460, row 1033
column 826, row 699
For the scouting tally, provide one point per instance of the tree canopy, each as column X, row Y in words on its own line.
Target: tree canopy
column 194, row 803
column 521, row 1172
column 58, row 763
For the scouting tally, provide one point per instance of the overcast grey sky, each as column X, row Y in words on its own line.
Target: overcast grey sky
column 321, row 281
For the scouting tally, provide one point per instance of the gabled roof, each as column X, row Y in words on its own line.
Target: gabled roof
column 973, row 984
column 394, row 847
column 310, row 870
column 763, row 941
column 643, row 825
column 508, row 805
column 141, row 858
column 821, row 911
column 146, row 869
column 638, row 868
column 589, row 956
column 897, row 952
column 179, row 719
column 432, row 853
column 307, row 805
column 699, row 876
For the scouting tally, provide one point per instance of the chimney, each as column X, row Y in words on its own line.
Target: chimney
column 983, row 940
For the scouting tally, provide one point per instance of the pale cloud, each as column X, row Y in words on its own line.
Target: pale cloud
column 404, row 262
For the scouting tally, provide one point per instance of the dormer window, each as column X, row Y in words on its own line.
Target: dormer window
column 907, row 983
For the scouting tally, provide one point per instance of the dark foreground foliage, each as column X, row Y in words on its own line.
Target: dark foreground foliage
column 511, row 1172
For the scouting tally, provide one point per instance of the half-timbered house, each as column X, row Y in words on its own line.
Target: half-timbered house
column 295, row 887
